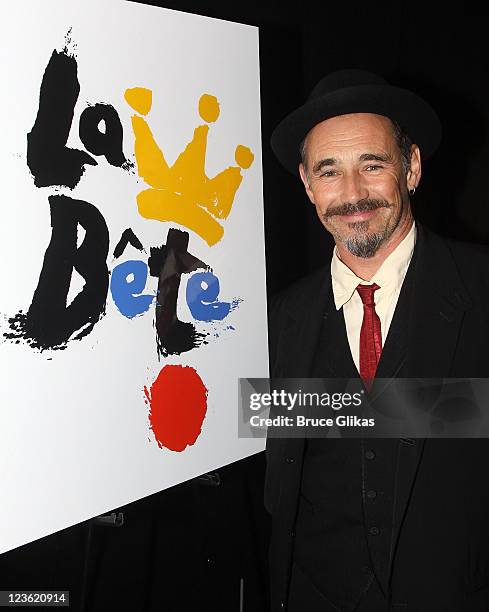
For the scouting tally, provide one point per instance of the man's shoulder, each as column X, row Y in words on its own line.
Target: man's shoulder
column 469, row 255
column 459, row 247
column 299, row 294
column 458, row 263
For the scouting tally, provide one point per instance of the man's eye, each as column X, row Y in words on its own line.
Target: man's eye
column 328, row 173
column 373, row 167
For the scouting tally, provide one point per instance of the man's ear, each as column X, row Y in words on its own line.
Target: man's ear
column 413, row 176
column 305, row 180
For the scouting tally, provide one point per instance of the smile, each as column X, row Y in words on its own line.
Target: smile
column 358, row 216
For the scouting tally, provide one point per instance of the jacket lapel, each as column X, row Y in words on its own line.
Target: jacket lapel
column 438, row 305
column 336, row 360
column 300, row 334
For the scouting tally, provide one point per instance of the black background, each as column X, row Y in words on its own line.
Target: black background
column 198, row 545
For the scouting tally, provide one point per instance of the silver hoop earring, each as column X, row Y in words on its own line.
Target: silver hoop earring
column 412, row 191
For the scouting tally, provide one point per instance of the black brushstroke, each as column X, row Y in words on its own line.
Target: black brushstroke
column 128, row 237
column 108, row 143
column 49, row 322
column 49, row 159
column 168, row 263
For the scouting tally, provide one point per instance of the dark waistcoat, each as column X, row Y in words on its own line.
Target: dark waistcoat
column 344, row 525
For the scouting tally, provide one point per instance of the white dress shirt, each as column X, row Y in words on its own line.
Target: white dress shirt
column 389, row 277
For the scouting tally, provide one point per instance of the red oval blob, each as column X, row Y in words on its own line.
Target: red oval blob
column 178, row 405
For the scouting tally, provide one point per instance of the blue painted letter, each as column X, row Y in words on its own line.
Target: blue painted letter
column 202, row 293
column 126, row 294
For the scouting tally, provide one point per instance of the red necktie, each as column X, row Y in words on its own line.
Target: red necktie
column 370, row 335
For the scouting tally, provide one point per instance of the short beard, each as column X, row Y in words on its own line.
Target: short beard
column 365, row 245
column 362, row 244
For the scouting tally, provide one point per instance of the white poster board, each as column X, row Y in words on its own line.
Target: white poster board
column 131, row 255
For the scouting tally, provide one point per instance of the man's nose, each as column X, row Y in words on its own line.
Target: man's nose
column 354, row 187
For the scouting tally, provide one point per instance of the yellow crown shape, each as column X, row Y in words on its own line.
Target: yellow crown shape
column 183, row 193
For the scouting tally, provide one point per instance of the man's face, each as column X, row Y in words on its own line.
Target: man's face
column 355, row 178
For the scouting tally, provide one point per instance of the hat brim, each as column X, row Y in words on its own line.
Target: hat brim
column 411, row 112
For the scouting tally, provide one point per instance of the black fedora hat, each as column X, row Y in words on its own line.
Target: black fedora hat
column 356, row 91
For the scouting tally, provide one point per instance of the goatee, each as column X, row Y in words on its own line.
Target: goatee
column 362, row 244
column 366, row 245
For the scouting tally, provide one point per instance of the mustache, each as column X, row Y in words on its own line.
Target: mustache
column 348, row 208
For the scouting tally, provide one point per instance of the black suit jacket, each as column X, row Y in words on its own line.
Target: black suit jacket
column 441, row 520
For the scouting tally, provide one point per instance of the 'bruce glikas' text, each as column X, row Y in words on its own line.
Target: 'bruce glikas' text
column 300, row 420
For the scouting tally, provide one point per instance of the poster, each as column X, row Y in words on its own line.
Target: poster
column 131, row 255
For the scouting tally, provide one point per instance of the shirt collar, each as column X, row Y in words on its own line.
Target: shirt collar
column 389, row 276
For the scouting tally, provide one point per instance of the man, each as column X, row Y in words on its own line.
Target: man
column 377, row 524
